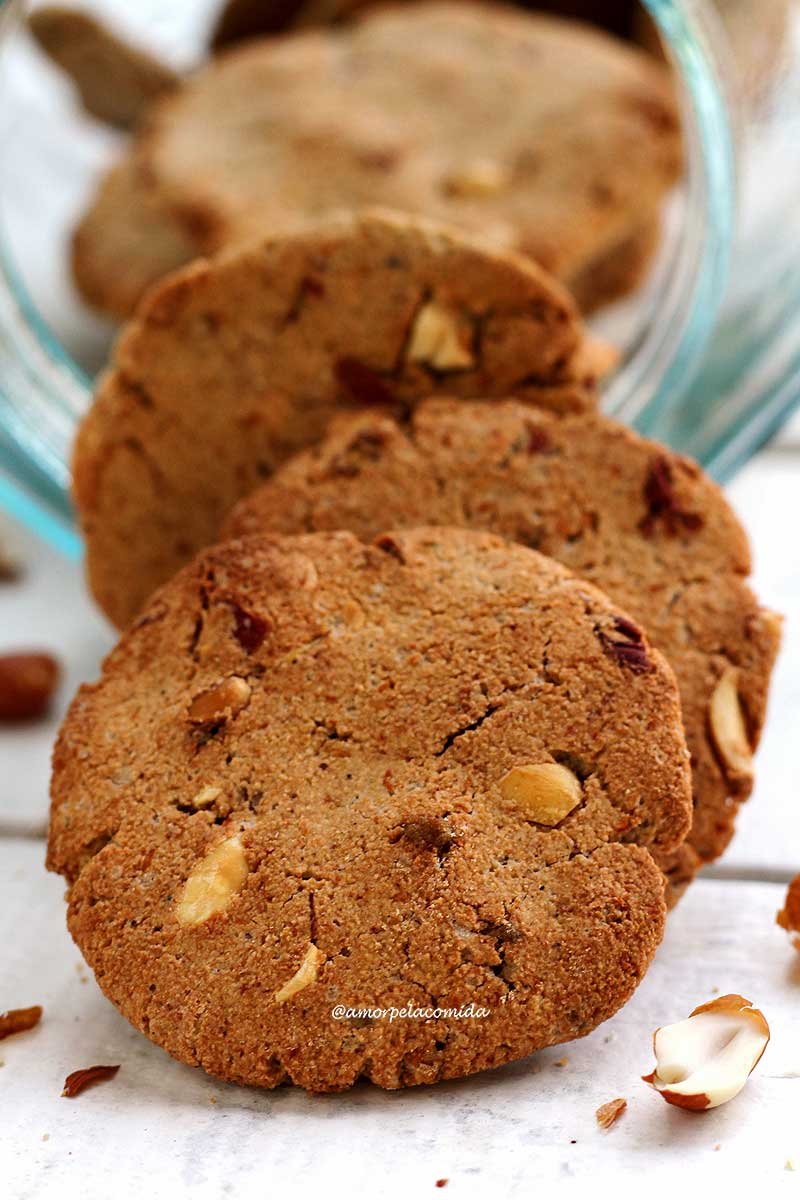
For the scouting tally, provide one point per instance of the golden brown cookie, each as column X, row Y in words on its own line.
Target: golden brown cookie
column 233, row 365
column 619, row 271
column 319, row 776
column 542, row 135
column 125, row 242
column 645, row 525
column 546, row 136
column 115, row 80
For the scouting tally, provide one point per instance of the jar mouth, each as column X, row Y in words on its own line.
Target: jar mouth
column 44, row 389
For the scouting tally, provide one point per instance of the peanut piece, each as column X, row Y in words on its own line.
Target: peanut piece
column 481, row 177
column 437, row 341
column 225, row 699
column 206, row 796
column 213, row 883
column 544, row 792
column 727, row 725
column 305, row 974
column 706, row 1060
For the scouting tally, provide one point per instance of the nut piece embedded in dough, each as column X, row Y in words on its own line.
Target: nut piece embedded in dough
column 705, row 1061
column 544, row 792
column 305, row 974
column 480, row 177
column 206, row 796
column 213, row 883
column 225, row 699
column 437, row 341
column 728, row 727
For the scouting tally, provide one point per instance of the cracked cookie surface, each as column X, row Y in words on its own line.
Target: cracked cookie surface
column 645, row 525
column 311, row 775
column 233, row 365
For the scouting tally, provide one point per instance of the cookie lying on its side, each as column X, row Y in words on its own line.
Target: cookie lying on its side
column 319, row 775
column 544, row 136
column 125, row 243
column 232, row 366
column 643, row 524
column 547, row 136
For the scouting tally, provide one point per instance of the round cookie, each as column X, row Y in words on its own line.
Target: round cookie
column 543, row 135
column 233, row 365
column 643, row 524
column 318, row 774
column 125, row 242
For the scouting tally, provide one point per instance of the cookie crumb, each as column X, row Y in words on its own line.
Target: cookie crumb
column 45, row 1137
column 561, row 1062
column 442, row 1182
column 789, row 1165
column 608, row 1114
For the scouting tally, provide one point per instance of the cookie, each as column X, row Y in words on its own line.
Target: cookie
column 548, row 137
column 233, row 365
column 644, row 525
column 618, row 272
column 125, row 243
column 116, row 81
column 319, row 776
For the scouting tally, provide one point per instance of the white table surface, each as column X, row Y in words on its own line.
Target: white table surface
column 161, row 1129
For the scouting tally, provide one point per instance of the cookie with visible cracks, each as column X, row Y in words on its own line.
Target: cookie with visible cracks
column 233, row 365
column 340, row 829
column 644, row 524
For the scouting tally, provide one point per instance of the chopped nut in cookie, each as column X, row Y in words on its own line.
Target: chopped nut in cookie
column 305, row 975
column 225, row 699
column 544, row 792
column 213, row 883
column 705, row 1061
column 205, row 797
column 439, row 339
column 728, row 727
column 480, row 177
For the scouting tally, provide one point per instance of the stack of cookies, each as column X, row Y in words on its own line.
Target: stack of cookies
column 436, row 686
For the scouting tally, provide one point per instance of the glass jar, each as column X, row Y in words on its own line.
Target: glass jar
column 710, row 343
